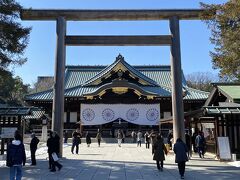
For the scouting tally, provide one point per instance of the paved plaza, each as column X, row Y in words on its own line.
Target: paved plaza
column 123, row 163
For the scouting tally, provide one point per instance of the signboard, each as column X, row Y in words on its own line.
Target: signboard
column 8, row 132
column 208, row 125
column 224, row 148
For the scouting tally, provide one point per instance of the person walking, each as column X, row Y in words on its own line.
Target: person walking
column 76, row 140
column 147, row 139
column 53, row 144
column 65, row 135
column 159, row 150
column 133, row 135
column 99, row 137
column 119, row 137
column 188, row 143
column 16, row 157
column 153, row 138
column 200, row 144
column 123, row 136
column 88, row 139
column 170, row 138
column 33, row 148
column 180, row 149
column 50, row 147
column 194, row 142
column 139, row 138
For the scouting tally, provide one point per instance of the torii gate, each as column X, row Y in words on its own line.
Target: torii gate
column 173, row 40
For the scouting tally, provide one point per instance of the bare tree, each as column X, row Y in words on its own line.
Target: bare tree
column 43, row 83
column 201, row 80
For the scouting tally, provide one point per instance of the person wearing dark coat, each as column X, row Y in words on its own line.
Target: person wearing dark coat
column 99, row 137
column 158, row 152
column 169, row 138
column 53, row 147
column 16, row 157
column 33, row 148
column 193, row 142
column 65, row 135
column 88, row 139
column 188, row 143
column 147, row 139
column 76, row 140
column 200, row 144
column 180, row 149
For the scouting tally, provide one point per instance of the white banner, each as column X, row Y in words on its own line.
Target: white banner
column 142, row 114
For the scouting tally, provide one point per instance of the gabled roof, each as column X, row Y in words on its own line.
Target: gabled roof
column 230, row 90
column 119, row 63
column 81, row 80
column 79, row 91
column 78, row 75
column 123, row 84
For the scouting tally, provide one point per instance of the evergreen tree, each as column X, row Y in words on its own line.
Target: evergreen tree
column 12, row 89
column 13, row 36
column 224, row 22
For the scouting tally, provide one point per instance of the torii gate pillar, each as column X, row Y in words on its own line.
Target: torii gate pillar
column 176, row 72
column 58, row 89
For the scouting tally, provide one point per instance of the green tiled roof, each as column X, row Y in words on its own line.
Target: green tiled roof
column 77, row 75
column 158, row 76
column 43, row 96
column 192, row 94
column 17, row 111
column 131, row 69
column 231, row 90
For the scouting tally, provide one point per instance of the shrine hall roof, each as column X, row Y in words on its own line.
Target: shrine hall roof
column 80, row 80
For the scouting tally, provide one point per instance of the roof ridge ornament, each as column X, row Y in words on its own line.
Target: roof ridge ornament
column 119, row 73
column 119, row 58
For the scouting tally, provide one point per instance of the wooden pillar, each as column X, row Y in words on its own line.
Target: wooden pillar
column 81, row 128
column 237, row 132
column 233, row 133
column 223, row 126
column 216, row 132
column 58, row 90
column 227, row 125
column 176, row 72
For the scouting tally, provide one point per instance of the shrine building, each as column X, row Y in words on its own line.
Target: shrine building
column 118, row 95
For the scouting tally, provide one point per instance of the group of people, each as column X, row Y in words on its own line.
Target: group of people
column 76, row 139
column 16, row 155
column 159, row 151
column 138, row 138
column 181, row 149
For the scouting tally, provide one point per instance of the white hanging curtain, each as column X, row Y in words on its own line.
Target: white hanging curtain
column 142, row 114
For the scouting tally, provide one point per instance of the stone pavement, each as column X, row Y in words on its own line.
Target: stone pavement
column 110, row 162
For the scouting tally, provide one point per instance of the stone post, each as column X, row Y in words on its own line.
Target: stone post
column 58, row 90
column 44, row 136
column 176, row 73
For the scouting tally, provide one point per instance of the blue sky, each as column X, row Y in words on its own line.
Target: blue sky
column 195, row 44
